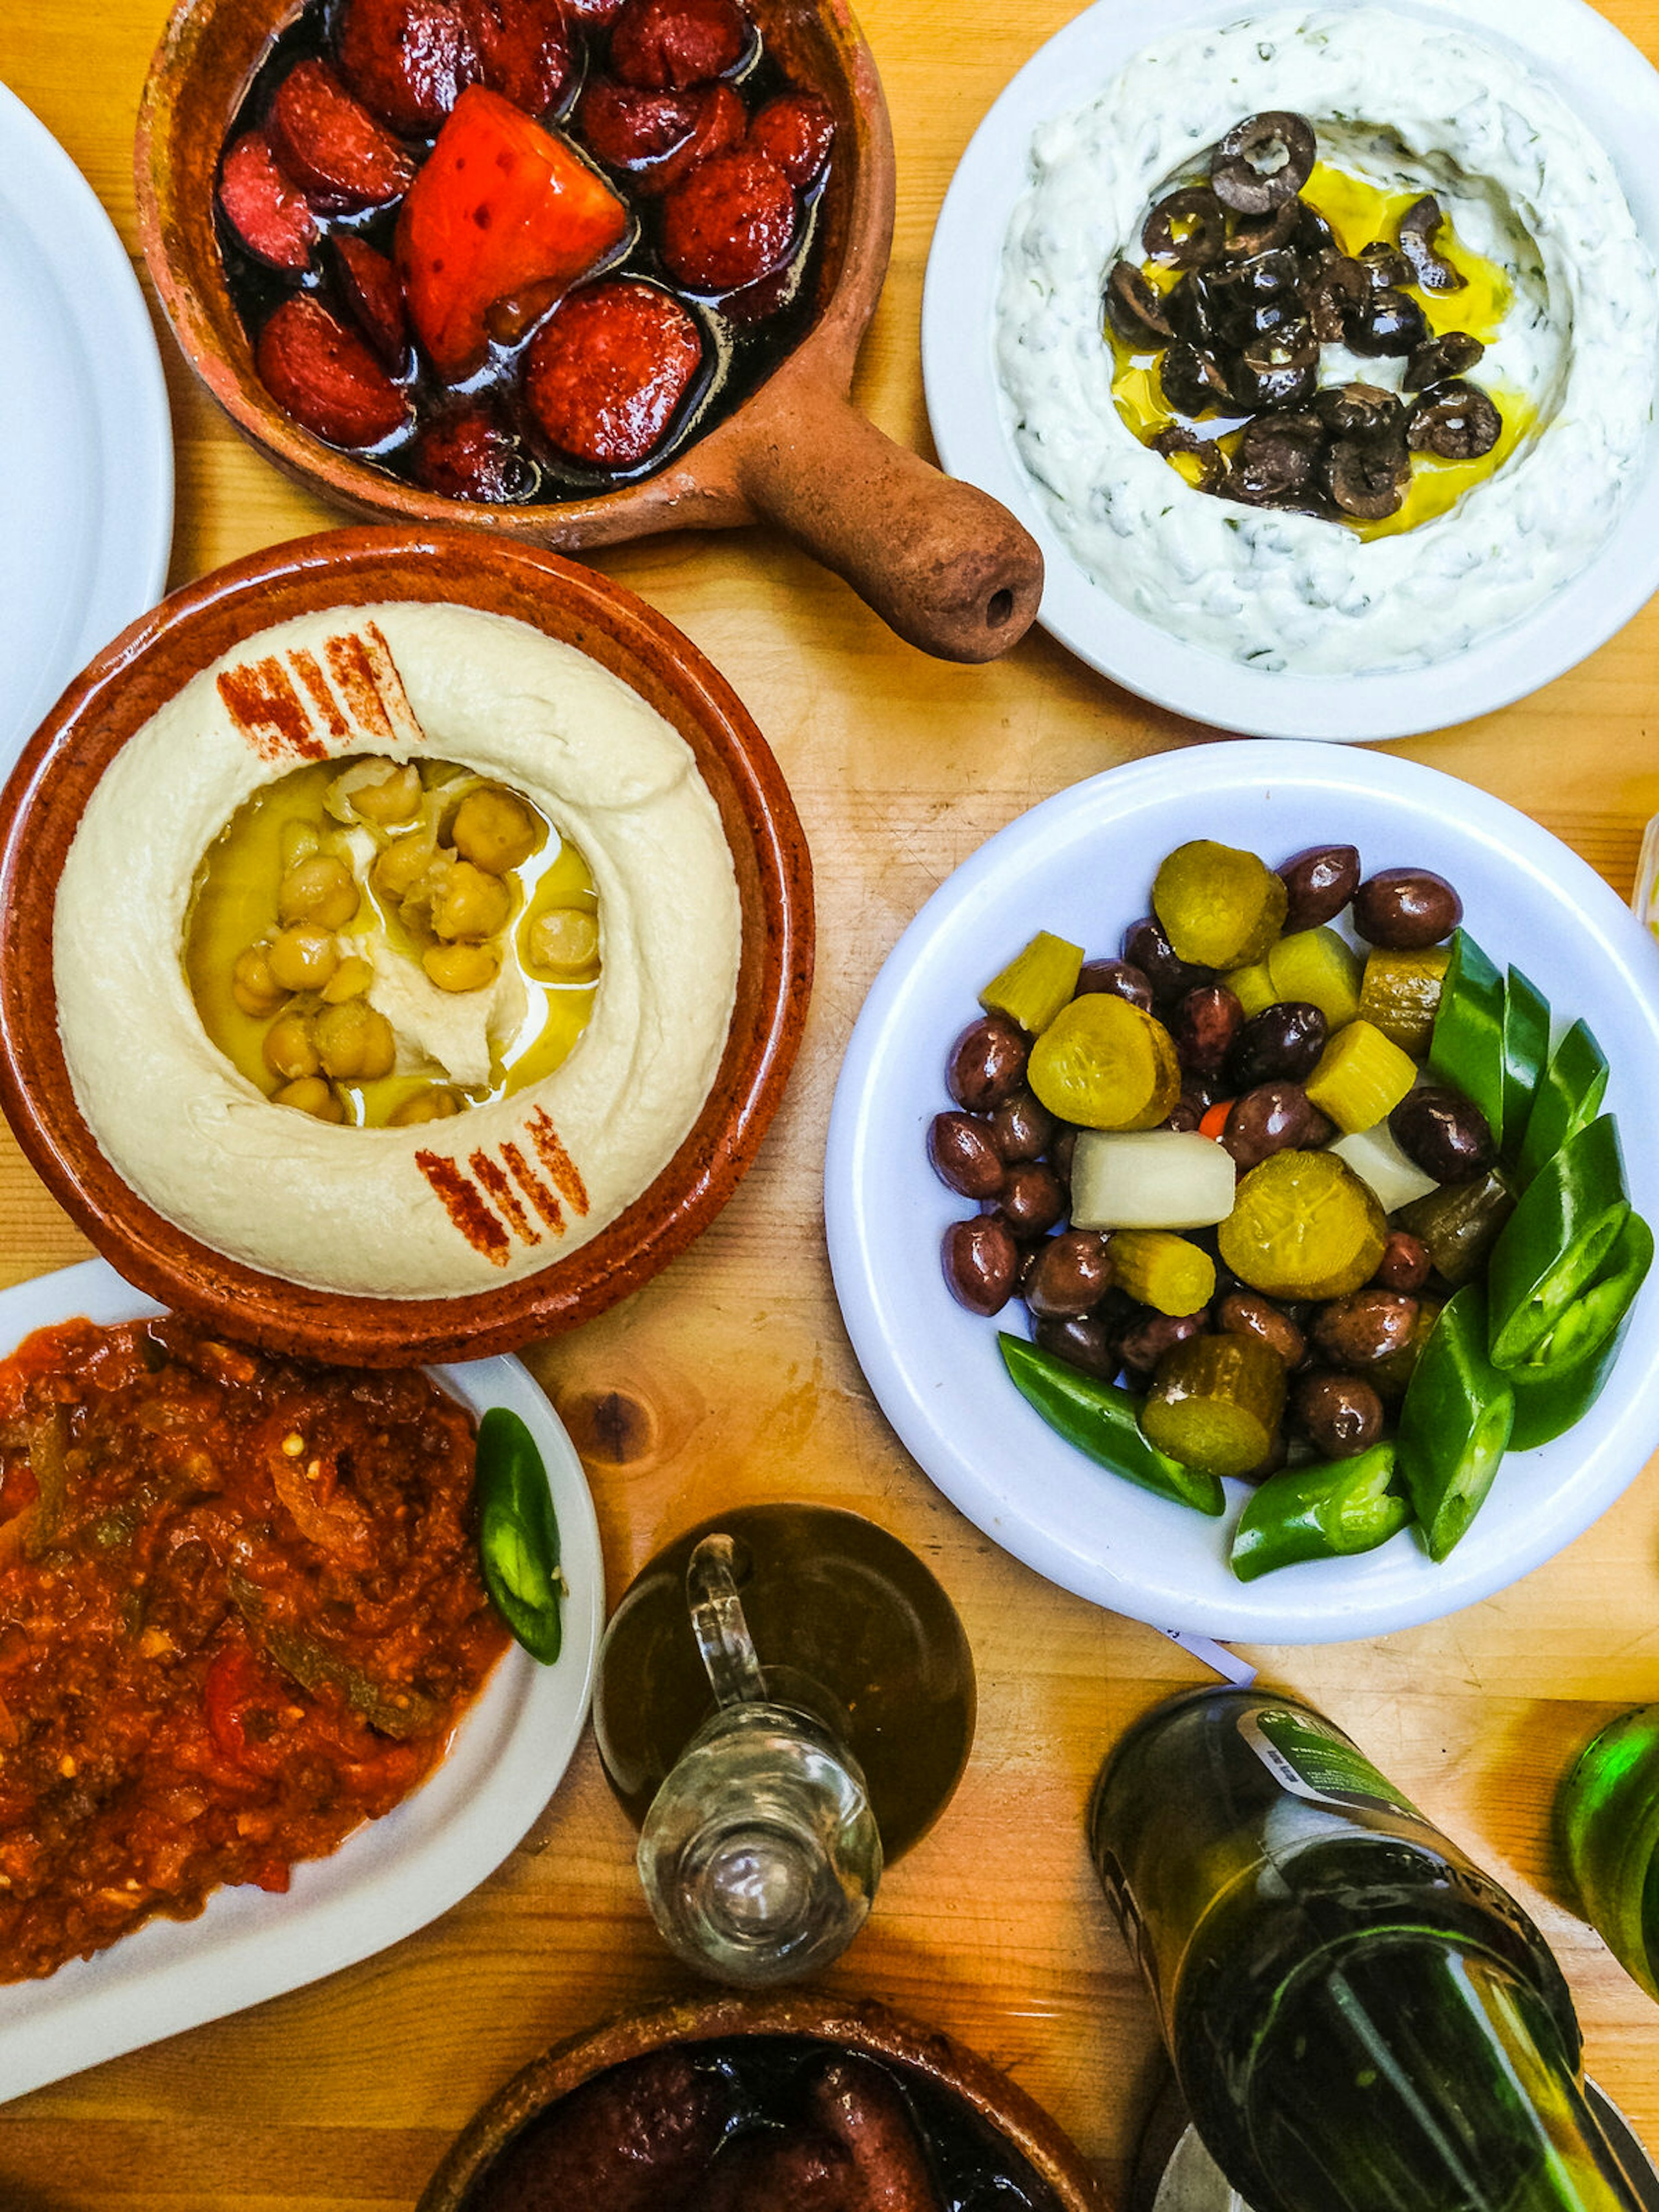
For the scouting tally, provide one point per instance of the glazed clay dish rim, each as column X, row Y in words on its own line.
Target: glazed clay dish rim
column 861, row 2025
column 701, row 488
column 148, row 663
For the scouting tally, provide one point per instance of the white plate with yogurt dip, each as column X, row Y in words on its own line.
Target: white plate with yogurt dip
column 1081, row 865
column 1610, row 95
column 85, row 508
column 390, row 1876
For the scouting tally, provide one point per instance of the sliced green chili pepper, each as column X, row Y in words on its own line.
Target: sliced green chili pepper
column 1455, row 1423
column 1556, row 1240
column 1568, row 1098
column 1320, row 1512
column 1104, row 1422
column 1526, row 1051
column 1467, row 1049
column 518, row 1535
column 1559, row 1386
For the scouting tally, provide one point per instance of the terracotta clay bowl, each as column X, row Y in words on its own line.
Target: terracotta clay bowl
column 943, row 563
column 855, row 2024
column 40, row 809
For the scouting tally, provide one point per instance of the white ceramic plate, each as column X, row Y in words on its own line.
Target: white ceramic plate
column 1615, row 91
column 86, row 490
column 1081, row 865
column 389, row 1877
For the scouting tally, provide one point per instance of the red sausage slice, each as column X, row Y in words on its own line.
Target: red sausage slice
column 718, row 128
column 607, row 370
column 268, row 213
column 523, row 48
column 332, row 146
column 468, row 454
column 665, row 45
column 731, row 221
column 408, row 60
column 657, row 138
column 796, row 130
column 369, row 288
column 860, row 2108
column 326, row 377
column 593, row 14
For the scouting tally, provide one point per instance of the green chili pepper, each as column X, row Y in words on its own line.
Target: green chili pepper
column 1554, row 1242
column 1320, row 1512
column 395, row 1710
column 1562, row 1381
column 518, row 1535
column 1104, row 1422
column 1526, row 1051
column 1454, row 1424
column 1567, row 1099
column 1467, row 1049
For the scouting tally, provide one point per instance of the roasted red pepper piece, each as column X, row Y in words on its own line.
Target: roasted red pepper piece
column 408, row 60
column 467, row 454
column 501, row 206
column 266, row 209
column 796, row 131
column 326, row 377
column 732, row 220
column 332, row 146
column 608, row 369
column 369, row 288
column 523, row 48
column 667, row 44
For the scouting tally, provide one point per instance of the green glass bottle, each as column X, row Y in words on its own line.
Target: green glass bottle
column 1360, row 2020
column 1609, row 1817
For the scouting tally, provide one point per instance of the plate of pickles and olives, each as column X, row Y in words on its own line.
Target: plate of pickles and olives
column 1236, row 1196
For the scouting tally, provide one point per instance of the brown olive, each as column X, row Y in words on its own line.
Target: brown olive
column 1248, row 1313
column 1134, row 309
column 1355, row 1332
column 1144, row 1343
column 1277, row 457
column 1283, row 1039
column 1405, row 909
column 1418, row 227
column 1120, row 978
column 1062, row 1146
column 1458, row 421
column 1073, row 1272
column 1083, row 1341
column 986, row 1064
column 1405, row 1264
column 1193, row 378
column 1147, row 947
column 1204, row 229
column 1184, row 1115
column 1339, row 1414
column 1385, row 265
column 1319, row 879
column 1033, row 1198
column 1263, row 160
column 965, row 1156
column 1274, row 1117
column 1367, row 479
column 1021, row 1128
column 1364, row 412
column 981, row 1261
column 1203, row 1025
column 1445, row 1133
column 1389, row 322
column 1453, row 354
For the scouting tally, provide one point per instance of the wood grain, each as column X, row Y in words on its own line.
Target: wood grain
column 339, row 2098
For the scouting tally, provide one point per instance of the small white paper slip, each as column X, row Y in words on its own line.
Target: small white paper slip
column 1228, row 1664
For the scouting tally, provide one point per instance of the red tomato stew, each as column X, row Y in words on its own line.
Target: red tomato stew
column 240, row 1612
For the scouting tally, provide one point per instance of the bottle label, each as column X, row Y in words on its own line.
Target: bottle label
column 1311, row 1760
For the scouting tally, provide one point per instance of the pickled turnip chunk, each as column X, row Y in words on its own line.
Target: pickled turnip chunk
column 1377, row 1160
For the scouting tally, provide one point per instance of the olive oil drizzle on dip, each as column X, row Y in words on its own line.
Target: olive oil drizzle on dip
column 420, row 887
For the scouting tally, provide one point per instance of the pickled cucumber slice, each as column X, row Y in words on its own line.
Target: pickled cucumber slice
column 1361, row 1077
column 1220, row 908
column 1400, row 994
column 1162, row 1270
column 1216, row 1403
column 1036, row 984
column 1304, row 1226
column 1316, row 964
column 1105, row 1065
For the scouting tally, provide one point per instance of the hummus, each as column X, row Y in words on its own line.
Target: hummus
column 445, row 1207
column 1409, row 106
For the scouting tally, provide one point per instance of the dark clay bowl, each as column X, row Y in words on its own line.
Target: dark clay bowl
column 855, row 2024
column 943, row 563
column 40, row 809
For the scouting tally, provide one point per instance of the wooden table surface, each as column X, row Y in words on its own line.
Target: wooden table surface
column 341, row 2097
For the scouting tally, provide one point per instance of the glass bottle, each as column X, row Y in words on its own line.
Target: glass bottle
column 1608, row 1811
column 1360, row 2020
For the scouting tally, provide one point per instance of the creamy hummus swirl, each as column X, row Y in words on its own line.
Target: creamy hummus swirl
column 385, row 1212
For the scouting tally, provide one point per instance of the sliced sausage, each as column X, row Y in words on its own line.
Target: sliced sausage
column 657, row 138
column 467, row 452
column 374, row 298
column 732, row 220
column 859, row 2107
column 332, row 146
column 326, row 377
column 523, row 48
column 407, row 60
column 633, row 2141
column 607, row 370
column 796, row 131
column 593, row 14
column 663, row 45
column 269, row 214
column 794, row 2169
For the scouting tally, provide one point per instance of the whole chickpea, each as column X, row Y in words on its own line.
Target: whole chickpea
column 303, row 960
column 290, row 1050
column 564, row 941
column 253, row 985
column 309, row 1094
column 354, row 1041
column 460, row 967
column 396, row 797
column 496, row 829
column 321, row 890
column 433, row 1104
column 473, row 904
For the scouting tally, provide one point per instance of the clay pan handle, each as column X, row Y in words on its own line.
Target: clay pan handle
column 942, row 562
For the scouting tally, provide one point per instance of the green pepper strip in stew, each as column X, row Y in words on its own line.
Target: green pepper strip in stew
column 1454, row 1424
column 394, row 1709
column 1554, row 1242
column 1467, row 1049
column 518, row 1533
column 1102, row 1421
column 1320, row 1512
column 1567, row 1099
column 1564, row 1379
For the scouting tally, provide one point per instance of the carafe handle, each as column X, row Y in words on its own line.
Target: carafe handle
column 717, row 1622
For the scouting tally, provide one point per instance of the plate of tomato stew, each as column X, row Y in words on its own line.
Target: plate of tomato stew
column 258, row 1718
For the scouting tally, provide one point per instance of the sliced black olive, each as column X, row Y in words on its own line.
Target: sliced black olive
column 1235, row 292
column 1277, row 456
column 1263, row 160
column 1384, row 265
column 1186, row 304
column 1134, row 308
column 1360, row 411
column 1192, row 380
column 1367, row 480
column 1339, row 292
column 1177, row 438
column 1266, row 234
column 1278, row 370
column 1454, row 353
column 1389, row 322
column 1456, row 421
column 1417, row 227
column 1314, row 236
column 1204, row 234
